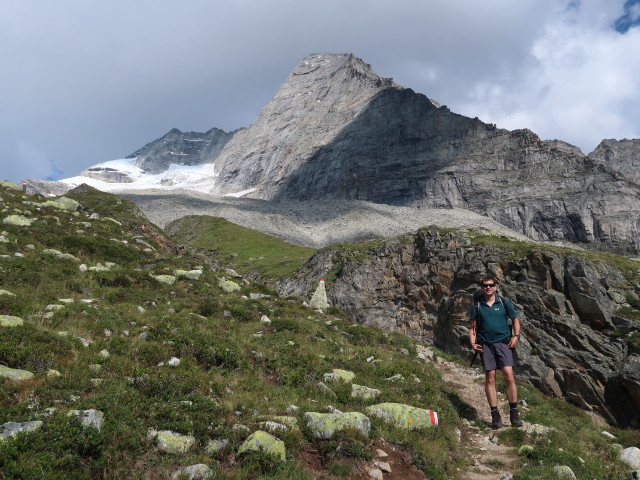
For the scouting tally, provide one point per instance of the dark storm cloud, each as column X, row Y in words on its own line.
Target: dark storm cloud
column 86, row 81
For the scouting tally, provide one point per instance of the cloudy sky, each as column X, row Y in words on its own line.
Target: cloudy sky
column 86, row 81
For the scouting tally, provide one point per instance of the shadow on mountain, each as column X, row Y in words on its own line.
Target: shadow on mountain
column 389, row 153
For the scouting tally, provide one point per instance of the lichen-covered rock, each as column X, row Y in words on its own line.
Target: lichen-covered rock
column 291, row 422
column 54, row 307
column 14, row 373
column 199, row 471
column 404, row 416
column 319, row 298
column 9, row 321
column 58, row 254
column 89, row 418
column 6, row 293
column 264, row 442
column 51, row 373
column 631, row 456
column 166, row 279
column 10, row 429
column 364, row 393
column 339, row 375
column 228, row 285
column 564, row 471
column 171, row 442
column 18, row 221
column 217, row 445
column 63, row 203
column 188, row 274
column 273, row 426
column 325, row 425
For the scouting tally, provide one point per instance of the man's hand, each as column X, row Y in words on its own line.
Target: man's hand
column 513, row 341
column 476, row 347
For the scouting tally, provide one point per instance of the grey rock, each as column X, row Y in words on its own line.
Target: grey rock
column 89, row 418
column 184, row 148
column 631, row 456
column 199, row 471
column 563, row 471
column 10, row 429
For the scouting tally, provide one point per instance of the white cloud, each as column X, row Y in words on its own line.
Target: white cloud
column 580, row 85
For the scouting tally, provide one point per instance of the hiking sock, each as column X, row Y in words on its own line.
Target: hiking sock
column 513, row 405
column 494, row 409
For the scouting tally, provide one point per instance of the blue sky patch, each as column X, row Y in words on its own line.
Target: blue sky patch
column 631, row 17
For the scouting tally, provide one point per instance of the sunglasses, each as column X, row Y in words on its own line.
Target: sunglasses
column 487, row 285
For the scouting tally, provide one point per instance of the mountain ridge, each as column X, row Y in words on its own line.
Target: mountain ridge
column 336, row 130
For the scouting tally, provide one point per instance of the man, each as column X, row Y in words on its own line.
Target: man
column 490, row 335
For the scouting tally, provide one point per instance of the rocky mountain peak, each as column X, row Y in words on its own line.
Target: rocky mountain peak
column 182, row 148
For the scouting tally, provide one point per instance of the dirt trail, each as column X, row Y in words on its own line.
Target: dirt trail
column 489, row 459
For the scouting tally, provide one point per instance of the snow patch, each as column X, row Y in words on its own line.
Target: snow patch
column 200, row 178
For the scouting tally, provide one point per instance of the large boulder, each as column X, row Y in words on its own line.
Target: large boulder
column 10, row 321
column 15, row 374
column 10, row 429
column 404, row 416
column 325, row 425
column 171, row 442
column 263, row 442
column 18, row 221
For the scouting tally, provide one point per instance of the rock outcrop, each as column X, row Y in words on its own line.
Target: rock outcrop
column 578, row 328
column 620, row 155
column 176, row 147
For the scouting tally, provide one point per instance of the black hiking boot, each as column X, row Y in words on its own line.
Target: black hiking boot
column 515, row 418
column 496, row 420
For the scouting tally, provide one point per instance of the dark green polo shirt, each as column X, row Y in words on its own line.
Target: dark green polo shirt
column 491, row 322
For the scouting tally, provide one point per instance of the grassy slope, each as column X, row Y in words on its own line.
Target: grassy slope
column 241, row 248
column 232, row 366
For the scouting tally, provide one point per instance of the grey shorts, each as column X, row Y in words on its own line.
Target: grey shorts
column 496, row 356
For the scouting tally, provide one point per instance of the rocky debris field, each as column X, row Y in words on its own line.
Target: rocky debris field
column 313, row 224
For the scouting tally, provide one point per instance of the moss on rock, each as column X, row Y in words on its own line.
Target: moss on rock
column 15, row 374
column 364, row 393
column 171, row 442
column 325, row 425
column 260, row 441
column 18, row 221
column 228, row 285
column 9, row 321
column 404, row 416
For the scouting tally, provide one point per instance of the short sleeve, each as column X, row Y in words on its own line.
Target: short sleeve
column 474, row 312
column 511, row 310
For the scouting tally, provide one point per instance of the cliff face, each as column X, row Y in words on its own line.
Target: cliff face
column 620, row 155
column 575, row 341
column 335, row 130
column 184, row 148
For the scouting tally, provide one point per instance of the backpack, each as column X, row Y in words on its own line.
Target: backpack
column 478, row 295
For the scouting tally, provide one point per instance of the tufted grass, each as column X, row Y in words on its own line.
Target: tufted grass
column 233, row 368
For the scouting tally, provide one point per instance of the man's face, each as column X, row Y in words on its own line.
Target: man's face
column 488, row 287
